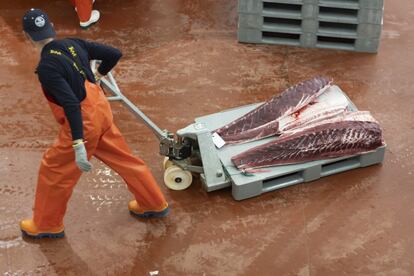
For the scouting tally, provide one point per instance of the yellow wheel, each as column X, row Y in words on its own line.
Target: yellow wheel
column 166, row 163
column 177, row 179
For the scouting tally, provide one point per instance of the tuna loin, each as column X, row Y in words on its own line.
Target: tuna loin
column 356, row 133
column 330, row 104
column 262, row 121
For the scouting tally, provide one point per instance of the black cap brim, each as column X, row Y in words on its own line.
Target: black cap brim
column 47, row 32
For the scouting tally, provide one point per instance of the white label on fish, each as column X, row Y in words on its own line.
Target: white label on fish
column 217, row 140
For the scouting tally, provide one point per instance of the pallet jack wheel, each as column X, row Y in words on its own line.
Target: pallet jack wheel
column 166, row 163
column 177, row 179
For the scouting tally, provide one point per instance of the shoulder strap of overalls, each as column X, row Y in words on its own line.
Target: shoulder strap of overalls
column 75, row 61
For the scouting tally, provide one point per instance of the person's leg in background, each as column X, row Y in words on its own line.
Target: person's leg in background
column 86, row 15
column 113, row 151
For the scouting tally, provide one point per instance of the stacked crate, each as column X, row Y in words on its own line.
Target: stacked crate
column 336, row 24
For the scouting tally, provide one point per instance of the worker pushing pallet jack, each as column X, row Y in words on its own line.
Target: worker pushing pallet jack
column 86, row 129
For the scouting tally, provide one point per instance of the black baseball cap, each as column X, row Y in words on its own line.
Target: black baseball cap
column 37, row 25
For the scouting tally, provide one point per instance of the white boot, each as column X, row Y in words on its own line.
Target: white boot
column 94, row 18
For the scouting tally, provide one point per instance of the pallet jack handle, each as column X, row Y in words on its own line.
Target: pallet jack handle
column 110, row 84
column 169, row 146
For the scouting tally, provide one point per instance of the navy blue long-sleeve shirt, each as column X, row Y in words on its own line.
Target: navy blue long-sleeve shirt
column 63, row 84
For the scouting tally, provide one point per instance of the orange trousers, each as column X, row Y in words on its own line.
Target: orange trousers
column 59, row 173
column 83, row 8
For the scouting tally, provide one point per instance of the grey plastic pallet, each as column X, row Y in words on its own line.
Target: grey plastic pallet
column 310, row 40
column 274, row 178
column 280, row 8
column 350, row 16
column 256, row 6
column 250, row 35
column 352, row 12
column 358, row 45
column 244, row 187
column 299, row 26
column 272, row 24
column 364, row 31
column 353, row 4
column 353, row 25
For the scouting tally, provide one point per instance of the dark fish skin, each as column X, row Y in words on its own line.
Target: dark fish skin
column 324, row 141
column 249, row 127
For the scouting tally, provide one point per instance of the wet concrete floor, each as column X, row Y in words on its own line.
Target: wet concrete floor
column 181, row 60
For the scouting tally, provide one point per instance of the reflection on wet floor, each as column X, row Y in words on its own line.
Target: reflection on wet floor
column 181, row 61
column 104, row 187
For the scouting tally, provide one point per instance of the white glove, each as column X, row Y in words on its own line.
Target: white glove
column 81, row 157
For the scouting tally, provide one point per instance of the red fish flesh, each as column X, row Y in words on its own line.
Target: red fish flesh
column 330, row 104
column 347, row 135
column 263, row 120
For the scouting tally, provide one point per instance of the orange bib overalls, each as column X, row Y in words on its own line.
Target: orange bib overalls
column 59, row 173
